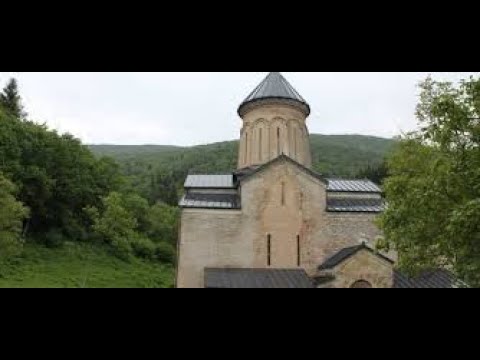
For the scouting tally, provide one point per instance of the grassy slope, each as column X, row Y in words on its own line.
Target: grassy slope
column 81, row 266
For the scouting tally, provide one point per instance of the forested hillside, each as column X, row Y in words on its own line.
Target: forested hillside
column 158, row 172
column 342, row 155
column 56, row 195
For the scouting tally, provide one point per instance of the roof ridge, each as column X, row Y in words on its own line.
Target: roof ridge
column 288, row 158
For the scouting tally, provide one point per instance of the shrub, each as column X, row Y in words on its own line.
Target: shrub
column 122, row 248
column 165, row 253
column 54, row 238
column 143, row 248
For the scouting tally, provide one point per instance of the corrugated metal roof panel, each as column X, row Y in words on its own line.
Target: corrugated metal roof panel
column 257, row 279
column 343, row 185
column 437, row 279
column 274, row 86
column 355, row 205
column 210, row 201
column 210, row 181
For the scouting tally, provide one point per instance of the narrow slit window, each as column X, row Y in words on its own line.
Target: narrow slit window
column 260, row 148
column 269, row 250
column 283, row 194
column 299, row 256
column 278, row 141
column 295, row 142
column 246, row 148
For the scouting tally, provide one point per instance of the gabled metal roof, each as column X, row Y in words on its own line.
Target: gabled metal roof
column 346, row 253
column 210, row 201
column 244, row 174
column 275, row 86
column 436, row 279
column 210, row 181
column 362, row 186
column 355, row 205
column 257, row 279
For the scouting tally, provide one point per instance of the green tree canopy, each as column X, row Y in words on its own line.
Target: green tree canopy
column 162, row 221
column 12, row 215
column 376, row 173
column 125, row 221
column 433, row 194
column 56, row 175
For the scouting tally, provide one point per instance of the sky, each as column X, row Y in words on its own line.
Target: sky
column 192, row 108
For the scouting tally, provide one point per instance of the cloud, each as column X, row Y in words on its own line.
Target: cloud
column 199, row 107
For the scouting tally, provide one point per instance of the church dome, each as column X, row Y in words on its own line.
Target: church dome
column 274, row 88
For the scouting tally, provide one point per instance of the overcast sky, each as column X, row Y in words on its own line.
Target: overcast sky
column 196, row 108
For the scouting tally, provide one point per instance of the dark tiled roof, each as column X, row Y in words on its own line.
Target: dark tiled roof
column 257, row 279
column 275, row 86
column 245, row 172
column 210, row 181
column 355, row 205
column 346, row 253
column 437, row 279
column 362, row 186
column 210, row 201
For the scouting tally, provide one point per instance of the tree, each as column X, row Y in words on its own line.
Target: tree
column 433, row 194
column 163, row 223
column 125, row 222
column 376, row 173
column 56, row 175
column 164, row 189
column 11, row 100
column 12, row 215
column 115, row 225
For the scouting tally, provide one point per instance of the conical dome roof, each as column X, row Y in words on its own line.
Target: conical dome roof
column 275, row 87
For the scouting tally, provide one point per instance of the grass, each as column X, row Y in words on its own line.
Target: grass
column 77, row 265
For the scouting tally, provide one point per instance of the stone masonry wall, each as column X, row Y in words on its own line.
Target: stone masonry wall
column 210, row 238
column 364, row 266
column 283, row 203
column 272, row 130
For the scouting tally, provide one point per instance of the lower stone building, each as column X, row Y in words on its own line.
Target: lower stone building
column 274, row 222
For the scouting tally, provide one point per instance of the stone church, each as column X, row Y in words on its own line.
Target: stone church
column 276, row 223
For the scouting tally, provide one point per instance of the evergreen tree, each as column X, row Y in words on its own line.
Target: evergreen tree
column 376, row 173
column 11, row 101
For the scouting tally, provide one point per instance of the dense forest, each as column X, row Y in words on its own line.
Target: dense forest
column 158, row 172
column 73, row 215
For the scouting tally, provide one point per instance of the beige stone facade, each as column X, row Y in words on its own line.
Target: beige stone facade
column 271, row 130
column 283, row 223
column 364, row 267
